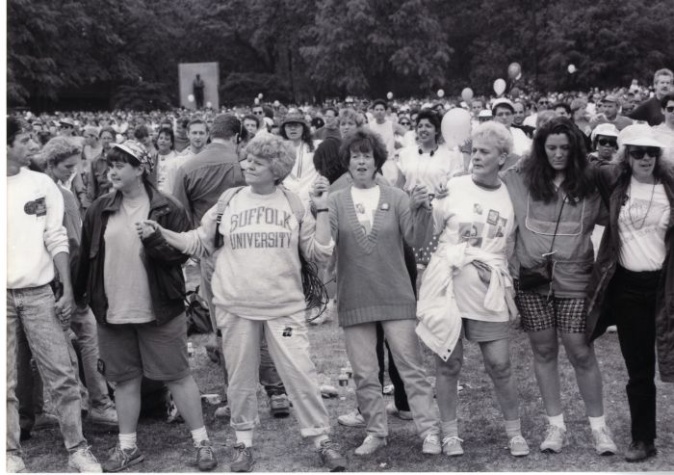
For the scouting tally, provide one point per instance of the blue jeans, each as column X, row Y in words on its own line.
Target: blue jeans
column 34, row 309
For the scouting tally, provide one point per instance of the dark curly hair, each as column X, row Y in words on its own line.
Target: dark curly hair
column 364, row 140
column 433, row 117
column 306, row 135
column 539, row 175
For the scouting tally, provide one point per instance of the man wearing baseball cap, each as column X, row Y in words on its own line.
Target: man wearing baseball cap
column 609, row 113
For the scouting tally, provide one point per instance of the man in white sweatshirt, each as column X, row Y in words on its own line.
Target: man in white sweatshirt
column 36, row 243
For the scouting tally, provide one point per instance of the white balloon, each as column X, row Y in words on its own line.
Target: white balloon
column 277, row 104
column 456, row 127
column 441, row 93
column 572, row 68
column 467, row 94
column 389, row 96
column 190, row 98
column 256, row 101
column 260, row 96
column 209, row 104
column 499, row 86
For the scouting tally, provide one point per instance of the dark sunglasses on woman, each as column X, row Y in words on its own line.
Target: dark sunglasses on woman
column 640, row 153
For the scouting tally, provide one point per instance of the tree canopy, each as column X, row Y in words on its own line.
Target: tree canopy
column 122, row 52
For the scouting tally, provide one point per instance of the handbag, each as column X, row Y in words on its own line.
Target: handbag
column 541, row 275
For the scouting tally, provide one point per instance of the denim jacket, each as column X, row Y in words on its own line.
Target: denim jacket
column 162, row 262
column 612, row 184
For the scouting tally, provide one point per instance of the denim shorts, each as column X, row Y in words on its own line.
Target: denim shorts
column 538, row 313
column 479, row 331
column 157, row 352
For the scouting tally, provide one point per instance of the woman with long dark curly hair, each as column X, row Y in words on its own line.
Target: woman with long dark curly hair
column 632, row 284
column 556, row 207
column 296, row 130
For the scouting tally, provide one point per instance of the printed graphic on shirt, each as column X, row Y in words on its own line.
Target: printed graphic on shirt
column 363, row 218
column 37, row 207
column 639, row 218
column 243, row 238
column 474, row 232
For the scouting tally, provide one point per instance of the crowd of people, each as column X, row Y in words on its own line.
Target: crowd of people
column 430, row 242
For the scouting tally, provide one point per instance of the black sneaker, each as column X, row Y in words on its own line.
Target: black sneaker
column 279, row 406
column 331, row 456
column 205, row 456
column 640, row 451
column 120, row 458
column 242, row 461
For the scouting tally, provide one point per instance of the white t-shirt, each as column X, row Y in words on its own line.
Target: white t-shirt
column 124, row 276
column 642, row 225
column 164, row 164
column 430, row 171
column 485, row 218
column 303, row 175
column 365, row 201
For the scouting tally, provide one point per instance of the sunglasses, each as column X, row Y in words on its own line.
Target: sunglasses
column 640, row 153
column 607, row 143
column 669, row 109
column 543, row 103
column 406, row 123
column 258, row 112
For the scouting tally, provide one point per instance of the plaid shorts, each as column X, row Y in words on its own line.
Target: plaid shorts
column 566, row 314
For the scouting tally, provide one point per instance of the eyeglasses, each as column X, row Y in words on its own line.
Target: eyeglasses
column 669, row 109
column 406, row 124
column 543, row 103
column 607, row 143
column 640, row 153
column 258, row 112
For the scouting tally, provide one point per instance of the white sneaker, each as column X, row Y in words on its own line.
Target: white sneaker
column 370, row 445
column 392, row 410
column 15, row 464
column 352, row 419
column 518, row 446
column 82, row 460
column 103, row 415
column 555, row 439
column 432, row 445
column 452, row 446
column 603, row 442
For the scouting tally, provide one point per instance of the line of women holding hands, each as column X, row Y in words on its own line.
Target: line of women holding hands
column 533, row 221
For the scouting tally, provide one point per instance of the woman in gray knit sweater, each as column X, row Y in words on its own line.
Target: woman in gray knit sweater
column 369, row 223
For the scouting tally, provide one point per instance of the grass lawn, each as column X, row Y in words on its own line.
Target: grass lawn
column 279, row 448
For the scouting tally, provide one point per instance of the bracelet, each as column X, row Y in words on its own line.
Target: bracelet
column 322, row 210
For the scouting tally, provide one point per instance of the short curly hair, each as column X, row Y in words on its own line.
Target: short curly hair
column 364, row 140
column 497, row 133
column 278, row 152
column 57, row 150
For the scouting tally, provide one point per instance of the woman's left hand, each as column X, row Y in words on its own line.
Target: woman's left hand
column 319, row 193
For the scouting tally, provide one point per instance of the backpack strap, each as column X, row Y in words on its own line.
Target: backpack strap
column 295, row 202
column 222, row 204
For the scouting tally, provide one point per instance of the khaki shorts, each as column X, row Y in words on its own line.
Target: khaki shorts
column 145, row 349
column 479, row 331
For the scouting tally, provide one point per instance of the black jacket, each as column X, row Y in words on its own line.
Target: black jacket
column 162, row 262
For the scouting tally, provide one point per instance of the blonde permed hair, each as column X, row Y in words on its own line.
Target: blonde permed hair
column 279, row 153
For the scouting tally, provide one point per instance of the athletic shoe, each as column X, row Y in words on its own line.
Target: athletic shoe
column 392, row 410
column 432, row 445
column 120, row 459
column 242, row 461
column 15, row 464
column 603, row 443
column 452, row 446
column 223, row 412
column 103, row 415
column 331, row 456
column 640, row 451
column 82, row 460
column 205, row 456
column 45, row 421
column 371, row 444
column 518, row 446
column 352, row 419
column 279, row 406
column 328, row 391
column 555, row 439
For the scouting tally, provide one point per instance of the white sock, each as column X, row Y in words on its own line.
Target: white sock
column 245, row 437
column 450, row 428
column 557, row 421
column 513, row 428
column 199, row 435
column 317, row 439
column 127, row 441
column 597, row 423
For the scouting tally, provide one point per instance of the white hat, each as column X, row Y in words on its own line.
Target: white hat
column 503, row 102
column 605, row 129
column 638, row 135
